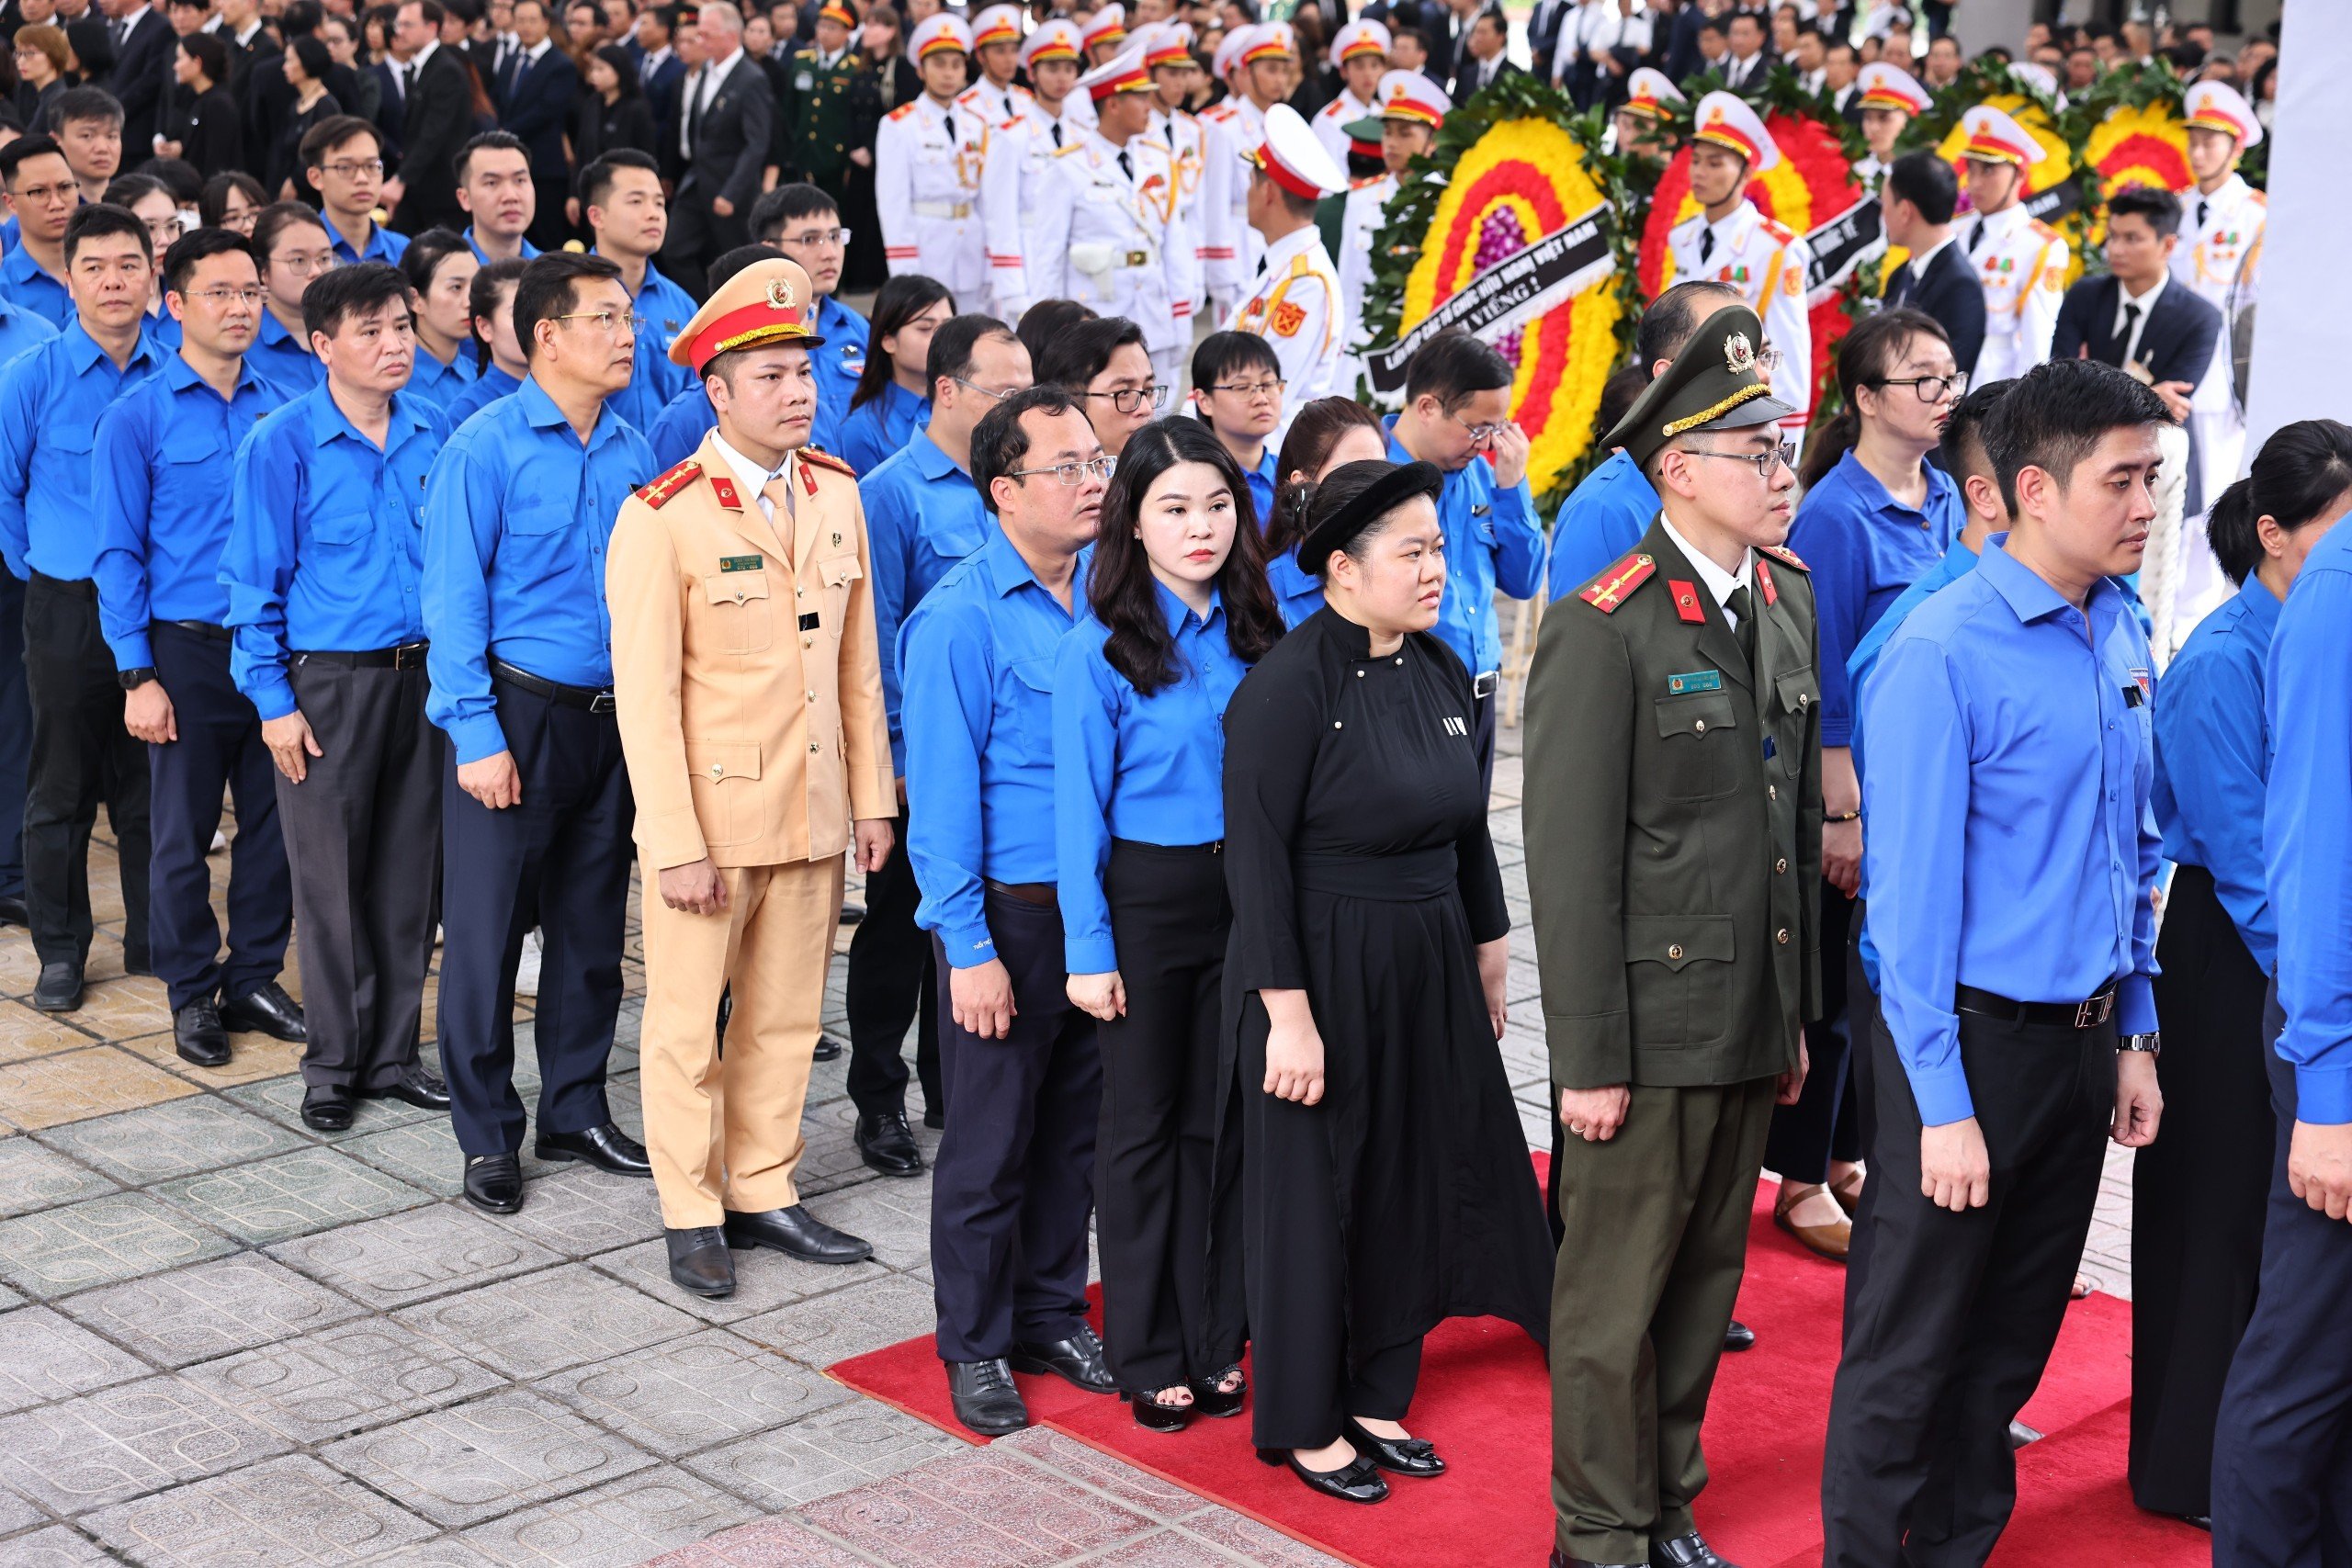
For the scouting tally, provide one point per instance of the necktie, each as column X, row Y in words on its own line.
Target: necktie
column 1169, row 130
column 408, row 82
column 778, row 495
column 693, row 114
column 1127, row 164
column 1975, row 236
column 1057, row 133
column 1706, row 243
column 1742, row 605
column 2123, row 342
column 2202, row 208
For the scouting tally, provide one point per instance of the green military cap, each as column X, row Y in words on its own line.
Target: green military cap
column 1714, row 384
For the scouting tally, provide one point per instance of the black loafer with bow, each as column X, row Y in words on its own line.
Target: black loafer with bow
column 1415, row 1457
column 1358, row 1480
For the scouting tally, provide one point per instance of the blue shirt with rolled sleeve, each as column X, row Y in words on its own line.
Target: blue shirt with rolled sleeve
column 2213, row 760
column 873, row 432
column 1600, row 522
column 1492, row 544
column 1864, row 548
column 2010, row 846
column 1148, row 769
column 2307, row 832
column 21, row 330
column 493, row 384
column 285, row 358
column 923, row 515
column 325, row 545
column 27, row 287
column 161, row 495
column 979, row 731
column 383, row 245
column 517, row 513
column 438, row 383
column 50, row 399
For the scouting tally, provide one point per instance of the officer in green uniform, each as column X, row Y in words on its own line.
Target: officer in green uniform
column 1672, row 718
column 820, row 122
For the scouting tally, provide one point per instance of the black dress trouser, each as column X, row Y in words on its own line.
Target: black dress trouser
column 560, row 860
column 81, row 755
column 1171, row 916
column 220, row 746
column 891, row 984
column 1951, row 1317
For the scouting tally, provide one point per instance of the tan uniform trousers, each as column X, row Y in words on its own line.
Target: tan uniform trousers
column 724, row 1131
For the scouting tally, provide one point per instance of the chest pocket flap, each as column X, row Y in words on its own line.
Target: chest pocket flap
column 735, row 587
column 1698, row 714
column 1799, row 690
column 538, row 518
column 840, row 571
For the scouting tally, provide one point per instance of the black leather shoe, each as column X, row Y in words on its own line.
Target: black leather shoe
column 60, row 988
column 13, row 912
column 1358, row 1480
column 1210, row 1397
column 1416, row 1457
column 1739, row 1336
column 2020, row 1435
column 852, row 913
column 984, row 1397
column 888, row 1145
column 413, row 1087
column 495, row 1183
column 828, row 1049
column 699, row 1262
column 267, row 1009
column 1077, row 1359
column 198, row 1036
column 326, row 1108
column 796, row 1233
column 1687, row 1552
column 605, row 1147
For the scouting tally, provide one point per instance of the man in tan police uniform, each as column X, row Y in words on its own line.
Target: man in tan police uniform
column 750, row 694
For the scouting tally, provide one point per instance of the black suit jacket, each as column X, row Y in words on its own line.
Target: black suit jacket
column 537, row 107
column 439, row 120
column 143, row 74
column 1466, row 83
column 1749, row 79
column 1950, row 293
column 2176, row 345
column 731, row 141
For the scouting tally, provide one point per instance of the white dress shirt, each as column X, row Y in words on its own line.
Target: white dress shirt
column 2125, row 300
column 752, row 479
column 1720, row 585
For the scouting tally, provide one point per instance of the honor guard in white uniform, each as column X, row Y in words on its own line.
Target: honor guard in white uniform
column 2224, row 217
column 1729, row 241
column 1002, row 105
column 929, row 157
column 1296, row 303
column 1058, row 111
column 1226, row 137
column 1264, row 72
column 1168, row 55
column 1890, row 98
column 1412, row 108
column 2020, row 262
column 1108, row 231
column 1652, row 100
column 1105, row 36
column 1360, row 54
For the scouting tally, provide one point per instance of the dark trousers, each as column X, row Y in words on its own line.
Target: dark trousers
column 81, row 755
column 2282, row 1450
column 2198, row 1196
column 1013, row 1181
column 219, row 747
column 16, row 735
column 1171, row 917
column 363, row 836
column 891, row 985
column 559, row 859
column 1482, row 737
column 1823, row 1126
column 698, row 237
column 1950, row 1318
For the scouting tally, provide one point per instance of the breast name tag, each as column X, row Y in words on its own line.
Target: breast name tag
column 1696, row 681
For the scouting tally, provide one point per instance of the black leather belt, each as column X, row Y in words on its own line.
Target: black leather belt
column 1041, row 893
column 78, row 587
column 587, row 699
column 204, row 629
column 1482, row 685
column 407, row 656
column 2088, row 1014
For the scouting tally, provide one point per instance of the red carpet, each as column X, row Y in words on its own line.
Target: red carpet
column 1485, row 1401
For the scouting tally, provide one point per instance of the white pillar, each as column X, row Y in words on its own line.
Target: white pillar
column 2303, row 340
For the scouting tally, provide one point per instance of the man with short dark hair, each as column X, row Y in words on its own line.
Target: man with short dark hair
column 1917, row 202
column 2011, row 855
column 1293, row 302
column 321, row 567
column 162, row 516
column 50, row 402
column 43, row 194
column 88, row 124
column 535, row 812
column 622, row 205
column 496, row 188
column 437, row 94
column 1745, row 66
column 536, row 108
column 343, row 160
column 802, row 221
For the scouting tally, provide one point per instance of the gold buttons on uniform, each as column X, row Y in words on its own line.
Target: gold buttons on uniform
column 1781, row 936
column 812, row 695
column 1674, row 950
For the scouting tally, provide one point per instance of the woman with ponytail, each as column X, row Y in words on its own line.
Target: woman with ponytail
column 2198, row 1194
column 1325, row 436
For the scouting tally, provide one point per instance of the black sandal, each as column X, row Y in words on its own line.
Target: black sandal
column 1212, row 1398
column 1358, row 1480
column 1154, row 1416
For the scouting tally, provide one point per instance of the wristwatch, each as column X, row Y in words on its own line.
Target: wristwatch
column 131, row 680
column 2150, row 1042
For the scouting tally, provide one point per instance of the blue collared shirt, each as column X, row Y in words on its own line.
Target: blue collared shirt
column 383, row 245
column 923, row 515
column 1262, row 480
column 2307, row 832
column 528, row 253
column 283, row 357
column 838, row 363
column 1600, row 522
column 876, row 430
column 1492, row 542
column 325, row 542
column 21, row 330
column 1296, row 594
column 438, row 383
column 1864, row 547
column 2009, row 844
column 50, row 399
column 682, row 425
column 488, row 387
column 666, row 309
column 516, row 515
column 653, row 382
column 27, row 287
column 981, row 740
column 2213, row 760
column 160, row 497
column 1151, row 768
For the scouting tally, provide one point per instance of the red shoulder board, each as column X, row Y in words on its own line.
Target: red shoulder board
column 1764, row 581
column 826, row 461
column 1608, row 590
column 1686, row 602
column 662, row 490
column 1786, row 556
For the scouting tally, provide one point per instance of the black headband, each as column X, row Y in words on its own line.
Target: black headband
column 1378, row 500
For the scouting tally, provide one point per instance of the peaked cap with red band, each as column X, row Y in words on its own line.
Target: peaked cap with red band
column 937, row 34
column 1886, row 86
column 1125, row 72
column 1109, row 25
column 2216, row 106
column 1364, row 37
column 1724, row 120
column 1295, row 159
column 767, row 302
column 998, row 24
column 1651, row 92
column 1055, row 39
column 838, row 12
column 1165, row 43
column 1269, row 41
column 1994, row 137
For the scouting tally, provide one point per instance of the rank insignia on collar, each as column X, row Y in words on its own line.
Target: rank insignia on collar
column 1764, row 582
column 1687, row 608
column 1608, row 590
column 724, row 488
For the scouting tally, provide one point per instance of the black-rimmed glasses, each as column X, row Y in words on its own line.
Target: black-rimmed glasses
column 1127, row 400
column 1783, row 455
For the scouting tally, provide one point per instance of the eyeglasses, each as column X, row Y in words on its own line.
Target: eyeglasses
column 41, row 195
column 822, row 239
column 1071, row 473
column 1480, row 434
column 226, row 296
column 604, row 320
column 1931, row 388
column 355, row 166
column 1783, row 455
column 305, row 266
column 1768, row 360
column 1272, row 388
column 989, row 392
column 1127, row 400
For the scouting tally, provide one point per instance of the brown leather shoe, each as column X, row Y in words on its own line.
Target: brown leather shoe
column 1830, row 1241
column 1849, row 1192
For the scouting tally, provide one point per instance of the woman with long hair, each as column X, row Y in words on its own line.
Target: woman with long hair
column 498, row 353
column 1325, row 434
column 1876, row 517
column 893, row 396
column 1178, row 613
column 888, row 80
column 440, row 268
column 1385, row 1178
column 2198, row 1192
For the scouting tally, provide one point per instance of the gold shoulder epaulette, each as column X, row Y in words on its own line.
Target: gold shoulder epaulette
column 1611, row 589
column 660, row 490
column 826, row 461
column 903, row 111
column 1786, row 556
